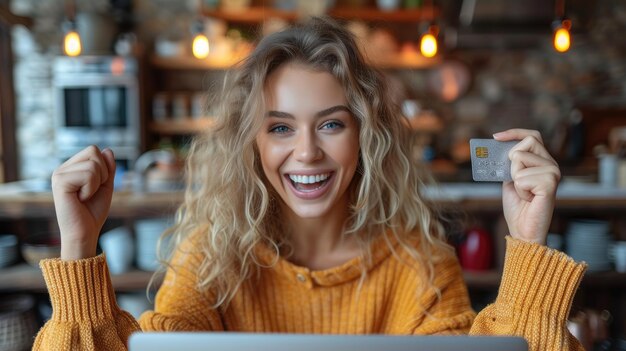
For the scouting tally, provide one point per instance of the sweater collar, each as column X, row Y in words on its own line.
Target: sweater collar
column 381, row 248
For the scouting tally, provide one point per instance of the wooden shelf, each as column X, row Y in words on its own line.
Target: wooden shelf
column 427, row 125
column 251, row 15
column 482, row 280
column 20, row 203
column 373, row 14
column 24, row 277
column 399, row 61
column 192, row 63
column 489, row 280
column 182, row 126
column 254, row 15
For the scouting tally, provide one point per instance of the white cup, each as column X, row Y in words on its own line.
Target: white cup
column 388, row 5
column 607, row 170
column 619, row 255
column 135, row 304
column 118, row 246
column 410, row 108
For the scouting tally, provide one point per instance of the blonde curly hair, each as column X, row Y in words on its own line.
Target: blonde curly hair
column 229, row 200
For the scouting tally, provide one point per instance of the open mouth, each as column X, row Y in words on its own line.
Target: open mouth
column 309, row 183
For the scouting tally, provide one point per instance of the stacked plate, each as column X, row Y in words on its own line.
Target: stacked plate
column 589, row 241
column 8, row 250
column 148, row 232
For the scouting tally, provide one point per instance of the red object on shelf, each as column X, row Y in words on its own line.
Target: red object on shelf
column 476, row 251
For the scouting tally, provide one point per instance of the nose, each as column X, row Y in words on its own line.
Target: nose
column 306, row 149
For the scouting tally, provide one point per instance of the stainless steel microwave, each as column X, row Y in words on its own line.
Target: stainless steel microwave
column 97, row 102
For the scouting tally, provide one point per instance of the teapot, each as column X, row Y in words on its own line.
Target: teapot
column 158, row 170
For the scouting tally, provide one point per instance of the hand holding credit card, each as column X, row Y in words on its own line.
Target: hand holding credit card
column 490, row 160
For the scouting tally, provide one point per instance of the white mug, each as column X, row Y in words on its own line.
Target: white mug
column 619, row 256
column 607, row 170
column 388, row 5
column 119, row 248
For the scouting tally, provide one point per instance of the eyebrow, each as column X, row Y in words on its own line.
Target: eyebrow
column 323, row 113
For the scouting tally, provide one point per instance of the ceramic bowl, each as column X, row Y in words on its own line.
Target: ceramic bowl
column 40, row 247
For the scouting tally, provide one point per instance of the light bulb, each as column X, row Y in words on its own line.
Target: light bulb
column 71, row 43
column 428, row 45
column 562, row 40
column 200, row 46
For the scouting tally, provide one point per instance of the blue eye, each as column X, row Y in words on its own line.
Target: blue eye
column 280, row 129
column 332, row 125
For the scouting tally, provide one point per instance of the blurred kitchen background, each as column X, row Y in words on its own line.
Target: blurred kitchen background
column 139, row 76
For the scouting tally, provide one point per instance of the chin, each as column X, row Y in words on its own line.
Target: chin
column 309, row 212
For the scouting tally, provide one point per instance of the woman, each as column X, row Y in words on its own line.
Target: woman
column 303, row 214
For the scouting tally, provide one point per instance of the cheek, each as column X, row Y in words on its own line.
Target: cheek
column 271, row 155
column 348, row 156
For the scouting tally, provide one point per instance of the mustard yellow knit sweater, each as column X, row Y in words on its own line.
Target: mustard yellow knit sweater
column 535, row 296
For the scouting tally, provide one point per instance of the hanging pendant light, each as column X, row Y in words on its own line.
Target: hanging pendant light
column 562, row 39
column 428, row 42
column 561, row 28
column 71, row 43
column 200, row 44
column 429, row 45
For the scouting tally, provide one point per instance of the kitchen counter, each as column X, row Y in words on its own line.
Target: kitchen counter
column 488, row 196
column 23, row 200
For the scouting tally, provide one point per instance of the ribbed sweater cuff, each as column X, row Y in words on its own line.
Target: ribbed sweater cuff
column 79, row 290
column 539, row 278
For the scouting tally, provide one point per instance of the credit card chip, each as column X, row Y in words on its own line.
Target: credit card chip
column 482, row 152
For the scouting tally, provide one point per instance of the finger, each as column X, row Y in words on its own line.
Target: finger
column 517, row 134
column 93, row 153
column 538, row 181
column 84, row 166
column 109, row 158
column 84, row 154
column 84, row 183
column 531, row 144
column 547, row 171
column 523, row 159
column 523, row 194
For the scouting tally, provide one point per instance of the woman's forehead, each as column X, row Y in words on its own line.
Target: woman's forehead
column 295, row 86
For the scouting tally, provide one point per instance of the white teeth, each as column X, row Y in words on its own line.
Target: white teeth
column 309, row 179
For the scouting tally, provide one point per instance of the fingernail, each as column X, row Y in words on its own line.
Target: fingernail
column 497, row 135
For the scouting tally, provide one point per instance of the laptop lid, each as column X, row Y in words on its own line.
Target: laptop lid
column 233, row 341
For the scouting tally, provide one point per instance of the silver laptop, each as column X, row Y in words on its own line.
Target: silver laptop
column 233, row 341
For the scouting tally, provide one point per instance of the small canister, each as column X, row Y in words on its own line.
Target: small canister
column 159, row 107
column 180, row 106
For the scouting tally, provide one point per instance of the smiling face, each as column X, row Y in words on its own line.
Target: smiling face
column 309, row 141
